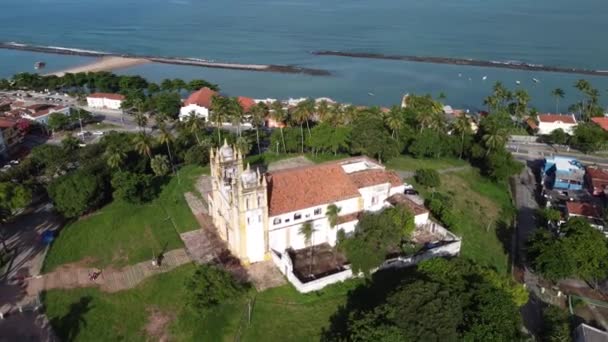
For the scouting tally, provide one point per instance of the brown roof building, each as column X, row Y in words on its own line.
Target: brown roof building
column 202, row 97
column 597, row 180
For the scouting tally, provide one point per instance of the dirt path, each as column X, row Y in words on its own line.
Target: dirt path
column 109, row 280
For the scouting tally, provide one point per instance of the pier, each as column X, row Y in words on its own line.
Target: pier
column 464, row 61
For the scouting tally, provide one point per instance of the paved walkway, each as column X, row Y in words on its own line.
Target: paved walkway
column 110, row 280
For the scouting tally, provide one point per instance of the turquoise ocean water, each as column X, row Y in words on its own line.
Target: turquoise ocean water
column 550, row 32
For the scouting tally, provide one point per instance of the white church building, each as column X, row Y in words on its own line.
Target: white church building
column 260, row 215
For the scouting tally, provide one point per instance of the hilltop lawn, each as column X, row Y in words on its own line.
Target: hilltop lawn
column 120, row 233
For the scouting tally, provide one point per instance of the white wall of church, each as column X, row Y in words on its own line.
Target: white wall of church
column 255, row 235
column 199, row 111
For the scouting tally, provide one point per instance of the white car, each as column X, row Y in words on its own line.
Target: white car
column 97, row 132
column 14, row 162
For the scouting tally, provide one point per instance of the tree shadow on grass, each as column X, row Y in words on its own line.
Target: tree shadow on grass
column 68, row 327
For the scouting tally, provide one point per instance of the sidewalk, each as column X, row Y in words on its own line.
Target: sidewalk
column 109, row 280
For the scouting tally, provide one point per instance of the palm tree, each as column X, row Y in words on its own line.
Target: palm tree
column 495, row 139
column 394, row 121
column 140, row 118
column 165, row 137
column 332, row 213
column 258, row 116
column 323, row 110
column 279, row 115
column 160, row 165
column 194, row 124
column 463, row 126
column 301, row 114
column 350, row 112
column 521, row 102
column 143, row 144
column 307, row 231
column 558, row 93
column 114, row 157
column 218, row 108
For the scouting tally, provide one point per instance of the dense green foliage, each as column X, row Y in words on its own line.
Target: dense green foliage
column 428, row 177
column 440, row 301
column 133, row 187
column 13, row 196
column 376, row 236
column 211, row 286
column 556, row 325
column 579, row 250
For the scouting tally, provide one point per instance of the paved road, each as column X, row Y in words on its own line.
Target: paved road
column 540, row 151
column 23, row 238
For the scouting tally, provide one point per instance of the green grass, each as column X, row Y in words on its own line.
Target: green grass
column 120, row 233
column 280, row 314
column 408, row 163
column 483, row 209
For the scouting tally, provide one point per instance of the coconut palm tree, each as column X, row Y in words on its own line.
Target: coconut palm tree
column 279, row 115
column 332, row 213
column 495, row 139
column 165, row 137
column 323, row 110
column 462, row 125
column 394, row 121
column 307, row 231
column 521, row 102
column 218, row 108
column 301, row 114
column 143, row 144
column 258, row 116
column 234, row 111
column 558, row 93
column 114, row 157
column 160, row 165
column 194, row 124
column 350, row 113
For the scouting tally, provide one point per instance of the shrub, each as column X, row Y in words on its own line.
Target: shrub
column 428, row 178
column 211, row 286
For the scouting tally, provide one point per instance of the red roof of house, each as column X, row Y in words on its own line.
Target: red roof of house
column 597, row 173
column 602, row 122
column 308, row 186
column 532, row 123
column 363, row 179
column 107, row 96
column 246, row 103
column 583, row 209
column 201, row 97
column 7, row 123
column 39, row 106
column 567, row 119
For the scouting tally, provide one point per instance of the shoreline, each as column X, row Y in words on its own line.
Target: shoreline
column 284, row 69
column 107, row 63
column 464, row 61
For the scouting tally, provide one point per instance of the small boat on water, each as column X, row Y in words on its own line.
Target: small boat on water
column 371, row 94
column 517, row 82
column 536, row 80
column 484, row 78
column 39, row 65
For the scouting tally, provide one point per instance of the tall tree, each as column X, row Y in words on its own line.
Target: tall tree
column 143, row 144
column 258, row 116
column 332, row 213
column 302, row 113
column 558, row 93
column 160, row 165
column 115, row 157
column 462, row 126
column 393, row 119
column 307, row 231
column 218, row 109
column 165, row 137
column 194, row 124
column 279, row 115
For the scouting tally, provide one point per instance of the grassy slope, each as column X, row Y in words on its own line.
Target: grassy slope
column 280, row 314
column 407, row 163
column 122, row 233
column 480, row 205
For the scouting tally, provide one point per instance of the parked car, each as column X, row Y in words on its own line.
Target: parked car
column 98, row 132
column 14, row 162
column 410, row 192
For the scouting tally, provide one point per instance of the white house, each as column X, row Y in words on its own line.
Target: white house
column 547, row 123
column 198, row 103
column 105, row 100
column 40, row 113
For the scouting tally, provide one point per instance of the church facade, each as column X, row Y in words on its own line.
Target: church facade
column 261, row 213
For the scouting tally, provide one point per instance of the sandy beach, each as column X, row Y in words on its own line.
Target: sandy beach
column 108, row 63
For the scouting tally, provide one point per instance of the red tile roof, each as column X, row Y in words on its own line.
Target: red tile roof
column 7, row 123
column 39, row 106
column 305, row 187
column 567, row 119
column 597, row 173
column 367, row 178
column 107, row 96
column 583, row 209
column 602, row 122
column 246, row 103
column 201, row 97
